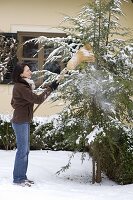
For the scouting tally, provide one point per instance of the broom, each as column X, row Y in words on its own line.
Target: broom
column 84, row 54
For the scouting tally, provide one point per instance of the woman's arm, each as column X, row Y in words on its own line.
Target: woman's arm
column 31, row 97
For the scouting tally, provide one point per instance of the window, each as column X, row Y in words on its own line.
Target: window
column 29, row 52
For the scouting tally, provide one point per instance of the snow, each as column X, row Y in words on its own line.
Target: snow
column 74, row 184
column 5, row 118
column 92, row 135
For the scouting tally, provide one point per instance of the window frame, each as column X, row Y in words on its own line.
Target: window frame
column 40, row 59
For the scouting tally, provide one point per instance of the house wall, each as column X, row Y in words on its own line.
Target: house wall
column 38, row 15
column 47, row 108
column 41, row 15
column 127, row 20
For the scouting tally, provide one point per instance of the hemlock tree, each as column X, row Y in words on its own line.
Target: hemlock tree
column 99, row 115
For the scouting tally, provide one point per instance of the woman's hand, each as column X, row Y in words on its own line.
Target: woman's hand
column 54, row 85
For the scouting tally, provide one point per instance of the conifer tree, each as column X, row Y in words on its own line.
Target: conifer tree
column 100, row 110
column 8, row 49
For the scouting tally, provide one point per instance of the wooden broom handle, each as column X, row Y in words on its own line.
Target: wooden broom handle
column 63, row 72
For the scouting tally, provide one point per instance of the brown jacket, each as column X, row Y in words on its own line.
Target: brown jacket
column 23, row 100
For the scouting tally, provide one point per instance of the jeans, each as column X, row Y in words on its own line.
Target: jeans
column 22, row 132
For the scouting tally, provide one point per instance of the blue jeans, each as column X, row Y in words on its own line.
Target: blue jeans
column 22, row 132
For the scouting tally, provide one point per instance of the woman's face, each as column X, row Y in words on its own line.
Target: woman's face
column 26, row 73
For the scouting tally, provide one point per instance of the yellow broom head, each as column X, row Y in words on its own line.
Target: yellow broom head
column 84, row 54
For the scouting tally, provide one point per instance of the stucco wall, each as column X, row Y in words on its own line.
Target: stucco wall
column 40, row 14
column 127, row 20
column 45, row 109
column 36, row 13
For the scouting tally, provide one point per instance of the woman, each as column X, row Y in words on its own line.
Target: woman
column 23, row 100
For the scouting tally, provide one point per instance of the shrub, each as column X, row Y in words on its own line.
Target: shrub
column 114, row 148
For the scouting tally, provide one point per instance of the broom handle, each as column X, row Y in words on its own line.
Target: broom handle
column 64, row 71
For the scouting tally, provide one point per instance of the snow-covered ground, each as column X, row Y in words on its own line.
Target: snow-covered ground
column 74, row 184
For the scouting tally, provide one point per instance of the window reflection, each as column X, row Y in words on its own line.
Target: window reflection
column 33, row 65
column 47, row 50
column 29, row 49
column 53, row 67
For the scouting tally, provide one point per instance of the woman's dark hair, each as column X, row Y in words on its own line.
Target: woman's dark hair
column 18, row 69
